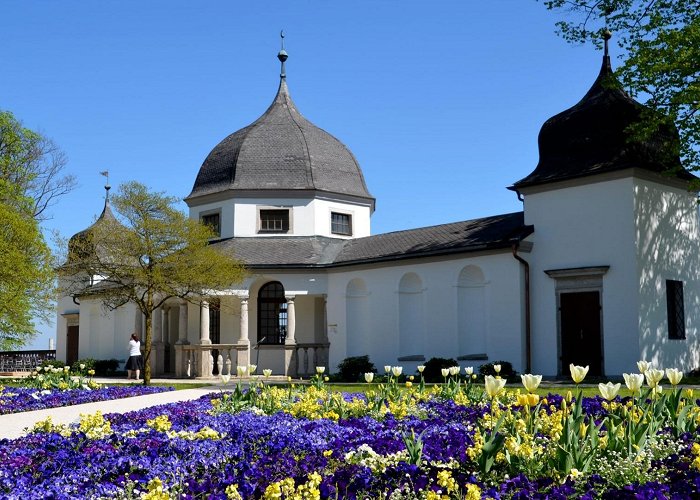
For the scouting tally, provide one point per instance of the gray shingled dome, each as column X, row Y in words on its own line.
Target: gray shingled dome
column 281, row 150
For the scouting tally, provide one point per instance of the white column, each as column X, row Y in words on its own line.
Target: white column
column 244, row 339
column 166, row 325
column 180, row 355
column 204, row 323
column 291, row 320
column 138, row 323
column 158, row 325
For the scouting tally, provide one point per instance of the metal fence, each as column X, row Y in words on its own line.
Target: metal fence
column 24, row 361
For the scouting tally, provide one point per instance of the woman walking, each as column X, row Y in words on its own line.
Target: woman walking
column 135, row 362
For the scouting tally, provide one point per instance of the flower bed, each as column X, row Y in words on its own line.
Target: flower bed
column 14, row 400
column 454, row 441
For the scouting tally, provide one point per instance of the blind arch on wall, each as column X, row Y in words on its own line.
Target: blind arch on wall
column 411, row 315
column 472, row 328
column 358, row 337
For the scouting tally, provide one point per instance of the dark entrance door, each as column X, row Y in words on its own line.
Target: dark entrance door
column 72, row 338
column 580, row 331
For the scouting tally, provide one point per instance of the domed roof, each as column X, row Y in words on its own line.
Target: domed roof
column 281, row 151
column 594, row 137
column 79, row 243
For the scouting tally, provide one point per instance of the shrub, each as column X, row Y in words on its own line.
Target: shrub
column 507, row 371
column 434, row 366
column 353, row 369
column 106, row 367
column 88, row 364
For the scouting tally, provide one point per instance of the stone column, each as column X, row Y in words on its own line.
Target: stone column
column 243, row 339
column 204, row 355
column 290, row 349
column 180, row 357
column 160, row 333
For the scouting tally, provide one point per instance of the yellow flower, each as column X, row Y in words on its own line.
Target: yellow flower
column 231, row 492
column 578, row 373
column 473, row 492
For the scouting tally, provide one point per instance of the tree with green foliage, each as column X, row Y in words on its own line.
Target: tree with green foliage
column 153, row 254
column 31, row 179
column 660, row 53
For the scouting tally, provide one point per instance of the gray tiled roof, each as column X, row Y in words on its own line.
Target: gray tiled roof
column 316, row 251
column 281, row 150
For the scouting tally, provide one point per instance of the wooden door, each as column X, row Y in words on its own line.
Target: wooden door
column 72, row 340
column 581, row 342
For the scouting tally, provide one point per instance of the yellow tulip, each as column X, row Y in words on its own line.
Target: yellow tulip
column 494, row 385
column 578, row 373
column 531, row 382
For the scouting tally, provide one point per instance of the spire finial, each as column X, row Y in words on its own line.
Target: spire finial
column 282, row 56
column 606, row 36
column 107, row 186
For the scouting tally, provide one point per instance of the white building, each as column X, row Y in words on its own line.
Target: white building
column 601, row 268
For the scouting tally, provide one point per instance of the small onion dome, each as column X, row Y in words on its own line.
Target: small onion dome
column 281, row 151
column 79, row 244
column 593, row 137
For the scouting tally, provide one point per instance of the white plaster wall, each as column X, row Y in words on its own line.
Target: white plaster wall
column 308, row 217
column 439, row 278
column 580, row 226
column 668, row 247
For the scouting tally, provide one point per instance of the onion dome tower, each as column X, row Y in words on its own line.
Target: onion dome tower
column 595, row 137
column 281, row 152
column 79, row 243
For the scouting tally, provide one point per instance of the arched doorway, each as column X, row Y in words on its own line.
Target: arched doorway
column 272, row 314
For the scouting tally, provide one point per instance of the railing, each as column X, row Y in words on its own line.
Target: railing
column 309, row 356
column 197, row 360
column 226, row 361
column 24, row 361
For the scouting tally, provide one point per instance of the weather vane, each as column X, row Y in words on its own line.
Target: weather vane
column 107, row 186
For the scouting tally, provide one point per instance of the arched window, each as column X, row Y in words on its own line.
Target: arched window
column 272, row 314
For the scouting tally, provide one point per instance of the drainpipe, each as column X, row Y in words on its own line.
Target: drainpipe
column 526, row 266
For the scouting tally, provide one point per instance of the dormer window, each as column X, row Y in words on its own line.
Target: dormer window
column 213, row 221
column 274, row 221
column 341, row 224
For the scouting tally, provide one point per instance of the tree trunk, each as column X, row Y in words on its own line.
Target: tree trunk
column 148, row 341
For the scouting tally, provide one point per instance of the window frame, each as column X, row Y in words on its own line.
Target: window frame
column 349, row 223
column 280, row 210
column 217, row 228
column 272, row 314
column 675, row 310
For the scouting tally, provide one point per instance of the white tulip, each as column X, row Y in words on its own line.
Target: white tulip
column 387, row 368
column 609, row 390
column 445, row 372
column 578, row 373
column 396, row 370
column 241, row 370
column 225, row 378
column 643, row 366
column 674, row 375
column 633, row 381
column 252, row 368
column 494, row 385
column 369, row 376
column 653, row 376
column 469, row 370
column 421, row 368
column 497, row 368
column 267, row 372
column 320, row 369
column 454, row 370
column 531, row 382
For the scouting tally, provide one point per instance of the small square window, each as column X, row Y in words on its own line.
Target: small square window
column 341, row 223
column 213, row 221
column 675, row 309
column 274, row 221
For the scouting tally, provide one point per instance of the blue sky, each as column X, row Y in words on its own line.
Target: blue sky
column 441, row 102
